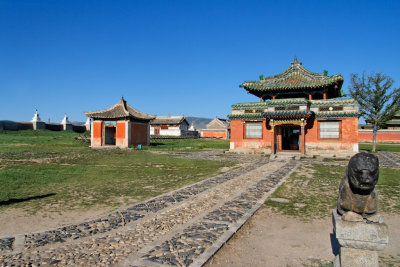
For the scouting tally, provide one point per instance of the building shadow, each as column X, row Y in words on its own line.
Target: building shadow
column 18, row 200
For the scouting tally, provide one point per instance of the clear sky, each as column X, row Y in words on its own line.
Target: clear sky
column 179, row 57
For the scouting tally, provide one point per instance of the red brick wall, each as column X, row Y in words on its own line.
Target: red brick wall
column 381, row 136
column 214, row 135
column 347, row 143
column 120, row 135
column 120, row 130
column 139, row 134
column 348, row 132
column 97, row 133
column 97, row 129
column 238, row 136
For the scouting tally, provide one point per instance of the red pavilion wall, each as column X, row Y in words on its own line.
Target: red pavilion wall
column 96, row 134
column 347, row 143
column 238, row 140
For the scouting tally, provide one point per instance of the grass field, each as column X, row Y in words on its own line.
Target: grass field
column 187, row 144
column 54, row 171
column 391, row 147
column 312, row 191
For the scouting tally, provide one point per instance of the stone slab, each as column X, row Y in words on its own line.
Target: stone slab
column 352, row 257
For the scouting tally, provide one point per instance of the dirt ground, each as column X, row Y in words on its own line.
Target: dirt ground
column 17, row 221
column 270, row 239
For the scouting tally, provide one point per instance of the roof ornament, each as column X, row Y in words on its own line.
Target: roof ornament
column 295, row 62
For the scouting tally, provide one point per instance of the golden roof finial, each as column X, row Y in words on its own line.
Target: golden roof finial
column 295, row 58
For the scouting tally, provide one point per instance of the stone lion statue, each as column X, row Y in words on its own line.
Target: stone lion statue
column 356, row 189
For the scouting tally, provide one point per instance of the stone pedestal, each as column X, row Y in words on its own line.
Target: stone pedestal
column 359, row 241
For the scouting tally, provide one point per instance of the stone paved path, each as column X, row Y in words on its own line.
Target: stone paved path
column 181, row 228
column 388, row 159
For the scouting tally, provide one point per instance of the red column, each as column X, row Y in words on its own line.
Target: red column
column 309, row 96
column 303, row 140
column 324, row 94
column 273, row 97
column 272, row 140
column 261, row 100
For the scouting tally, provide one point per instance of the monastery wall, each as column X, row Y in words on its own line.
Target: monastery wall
column 214, row 134
column 28, row 125
column 393, row 136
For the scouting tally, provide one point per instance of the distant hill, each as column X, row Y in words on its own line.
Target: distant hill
column 199, row 123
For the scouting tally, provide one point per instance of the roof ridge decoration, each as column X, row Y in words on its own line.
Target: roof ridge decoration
column 295, row 77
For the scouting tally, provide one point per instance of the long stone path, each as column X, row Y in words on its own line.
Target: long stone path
column 388, row 159
column 181, row 228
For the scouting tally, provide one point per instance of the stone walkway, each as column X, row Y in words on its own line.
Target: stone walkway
column 388, row 159
column 181, row 228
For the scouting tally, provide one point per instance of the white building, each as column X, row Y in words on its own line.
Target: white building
column 169, row 126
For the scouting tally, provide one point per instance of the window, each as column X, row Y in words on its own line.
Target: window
column 254, row 130
column 329, row 129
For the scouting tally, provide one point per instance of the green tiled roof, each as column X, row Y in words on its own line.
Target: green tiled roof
column 246, row 116
column 336, row 114
column 333, row 102
column 294, row 78
column 275, row 102
column 251, row 105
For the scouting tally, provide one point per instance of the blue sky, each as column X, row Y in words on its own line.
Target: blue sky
column 179, row 57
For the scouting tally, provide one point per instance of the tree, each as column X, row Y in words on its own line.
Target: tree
column 377, row 99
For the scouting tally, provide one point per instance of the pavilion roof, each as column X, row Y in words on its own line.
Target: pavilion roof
column 118, row 111
column 296, row 77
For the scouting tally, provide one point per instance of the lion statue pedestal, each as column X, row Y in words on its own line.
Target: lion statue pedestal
column 358, row 226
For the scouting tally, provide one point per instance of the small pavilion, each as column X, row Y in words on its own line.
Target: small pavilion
column 120, row 125
column 299, row 112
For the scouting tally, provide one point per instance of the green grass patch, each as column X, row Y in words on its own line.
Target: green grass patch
column 312, row 191
column 52, row 171
column 391, row 147
column 187, row 144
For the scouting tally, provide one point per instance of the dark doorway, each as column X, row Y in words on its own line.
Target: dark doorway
column 109, row 136
column 290, row 137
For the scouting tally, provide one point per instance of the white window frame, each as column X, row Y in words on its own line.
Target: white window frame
column 329, row 130
column 255, row 132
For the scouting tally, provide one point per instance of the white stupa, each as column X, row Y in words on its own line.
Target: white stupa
column 87, row 124
column 65, row 120
column 36, row 117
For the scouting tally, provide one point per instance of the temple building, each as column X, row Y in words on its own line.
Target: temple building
column 169, row 126
column 120, row 125
column 217, row 128
column 299, row 112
